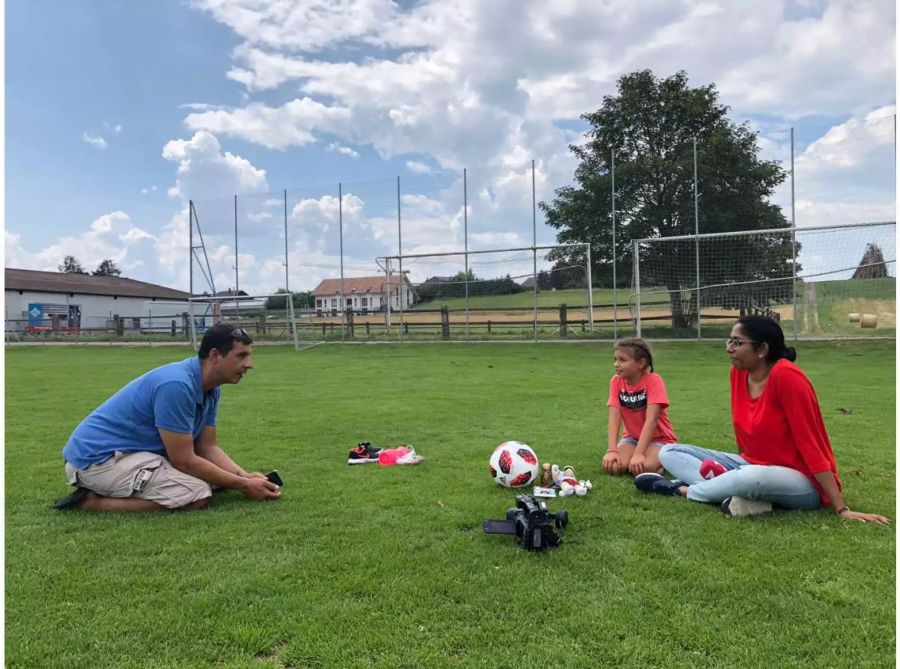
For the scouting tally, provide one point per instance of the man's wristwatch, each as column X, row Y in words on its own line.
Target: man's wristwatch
column 842, row 509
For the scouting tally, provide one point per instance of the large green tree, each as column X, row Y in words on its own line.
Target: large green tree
column 650, row 126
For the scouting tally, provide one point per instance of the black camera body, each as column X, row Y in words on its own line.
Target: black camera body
column 534, row 527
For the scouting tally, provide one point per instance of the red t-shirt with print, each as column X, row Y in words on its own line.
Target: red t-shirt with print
column 632, row 400
column 784, row 425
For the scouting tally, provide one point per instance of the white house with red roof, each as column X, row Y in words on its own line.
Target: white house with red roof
column 364, row 294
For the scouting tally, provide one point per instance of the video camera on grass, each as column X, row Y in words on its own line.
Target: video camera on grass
column 532, row 524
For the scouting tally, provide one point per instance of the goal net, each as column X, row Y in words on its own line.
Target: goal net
column 819, row 281
column 516, row 293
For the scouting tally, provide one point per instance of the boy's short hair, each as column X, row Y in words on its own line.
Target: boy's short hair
column 221, row 337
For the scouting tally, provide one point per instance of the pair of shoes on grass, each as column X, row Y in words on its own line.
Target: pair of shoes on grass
column 737, row 507
column 71, row 501
column 363, row 453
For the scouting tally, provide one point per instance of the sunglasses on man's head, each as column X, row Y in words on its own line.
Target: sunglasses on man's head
column 240, row 334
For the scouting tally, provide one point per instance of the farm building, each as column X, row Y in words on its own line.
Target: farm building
column 364, row 294
column 37, row 301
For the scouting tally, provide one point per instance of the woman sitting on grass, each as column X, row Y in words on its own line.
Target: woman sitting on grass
column 785, row 459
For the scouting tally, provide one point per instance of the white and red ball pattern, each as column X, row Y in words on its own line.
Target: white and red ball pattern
column 513, row 464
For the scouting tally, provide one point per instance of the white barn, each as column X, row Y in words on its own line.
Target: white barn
column 364, row 294
column 36, row 301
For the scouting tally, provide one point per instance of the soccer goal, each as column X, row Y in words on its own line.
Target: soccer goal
column 512, row 293
column 827, row 281
column 267, row 317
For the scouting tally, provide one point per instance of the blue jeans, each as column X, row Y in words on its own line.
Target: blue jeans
column 784, row 487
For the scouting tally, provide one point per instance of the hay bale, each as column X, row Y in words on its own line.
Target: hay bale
column 868, row 320
column 854, row 317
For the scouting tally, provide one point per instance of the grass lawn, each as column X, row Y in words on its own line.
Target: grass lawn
column 836, row 300
column 388, row 567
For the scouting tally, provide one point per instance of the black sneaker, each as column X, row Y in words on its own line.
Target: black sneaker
column 71, row 501
column 363, row 453
column 739, row 507
column 653, row 482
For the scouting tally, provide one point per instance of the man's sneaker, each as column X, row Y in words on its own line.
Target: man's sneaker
column 652, row 482
column 71, row 501
column 740, row 507
column 363, row 453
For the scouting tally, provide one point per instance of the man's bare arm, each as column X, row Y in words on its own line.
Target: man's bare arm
column 180, row 448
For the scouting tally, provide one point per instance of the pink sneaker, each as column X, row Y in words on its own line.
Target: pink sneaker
column 390, row 456
column 710, row 469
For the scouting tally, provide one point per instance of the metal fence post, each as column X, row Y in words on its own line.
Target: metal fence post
column 612, row 173
column 533, row 252
column 697, row 240
column 793, row 240
column 466, row 243
column 636, row 264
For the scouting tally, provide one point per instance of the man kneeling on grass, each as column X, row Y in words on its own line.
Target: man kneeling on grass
column 152, row 446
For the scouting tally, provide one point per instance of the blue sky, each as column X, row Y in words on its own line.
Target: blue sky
column 119, row 112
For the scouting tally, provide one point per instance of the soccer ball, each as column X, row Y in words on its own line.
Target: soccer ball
column 513, row 464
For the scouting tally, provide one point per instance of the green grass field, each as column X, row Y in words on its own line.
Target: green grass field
column 388, row 567
column 836, row 300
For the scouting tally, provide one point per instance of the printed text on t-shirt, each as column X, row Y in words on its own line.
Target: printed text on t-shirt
column 635, row 400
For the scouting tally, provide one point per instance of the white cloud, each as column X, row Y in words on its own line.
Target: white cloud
column 468, row 81
column 114, row 128
column 201, row 106
column 851, row 144
column 205, row 172
column 145, row 191
column 292, row 124
column 343, row 150
column 94, row 140
column 495, row 239
column 110, row 236
column 323, row 213
column 418, row 167
column 845, row 176
column 300, row 26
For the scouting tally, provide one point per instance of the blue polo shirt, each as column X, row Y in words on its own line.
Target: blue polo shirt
column 170, row 397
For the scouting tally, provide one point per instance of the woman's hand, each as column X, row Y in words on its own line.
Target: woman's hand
column 611, row 463
column 865, row 517
column 636, row 466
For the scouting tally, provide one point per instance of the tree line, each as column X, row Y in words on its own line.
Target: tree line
column 71, row 265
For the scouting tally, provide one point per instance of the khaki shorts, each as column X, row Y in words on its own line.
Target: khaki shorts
column 143, row 475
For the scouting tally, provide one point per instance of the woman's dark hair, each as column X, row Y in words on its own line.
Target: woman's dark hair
column 765, row 330
column 637, row 348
